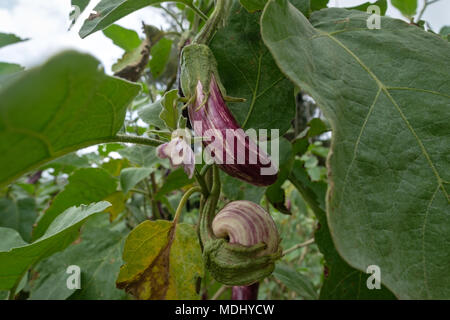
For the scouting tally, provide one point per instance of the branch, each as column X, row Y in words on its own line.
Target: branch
column 136, row 139
column 299, row 245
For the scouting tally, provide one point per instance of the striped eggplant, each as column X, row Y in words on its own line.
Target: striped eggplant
column 233, row 150
column 242, row 245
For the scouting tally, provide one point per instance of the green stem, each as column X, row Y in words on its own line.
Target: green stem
column 427, row 3
column 183, row 201
column 202, row 183
column 197, row 11
column 209, row 209
column 139, row 191
column 136, row 139
column 217, row 16
column 297, row 246
column 204, row 169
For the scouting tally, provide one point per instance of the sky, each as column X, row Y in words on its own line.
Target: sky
column 46, row 24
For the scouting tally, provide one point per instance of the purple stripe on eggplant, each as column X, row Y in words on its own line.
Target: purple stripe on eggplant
column 214, row 115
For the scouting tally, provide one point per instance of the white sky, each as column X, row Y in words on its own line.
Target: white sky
column 46, row 23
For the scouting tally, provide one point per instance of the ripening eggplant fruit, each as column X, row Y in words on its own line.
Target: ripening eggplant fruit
column 242, row 244
column 234, row 151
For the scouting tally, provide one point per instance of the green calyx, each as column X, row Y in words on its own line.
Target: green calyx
column 198, row 64
column 237, row 265
column 232, row 264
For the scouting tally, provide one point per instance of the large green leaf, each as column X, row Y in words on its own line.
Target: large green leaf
column 162, row 261
column 144, row 156
column 85, row 185
column 341, row 281
column 19, row 215
column 388, row 105
column 248, row 71
column 109, row 11
column 99, row 256
column 64, row 105
column 18, row 258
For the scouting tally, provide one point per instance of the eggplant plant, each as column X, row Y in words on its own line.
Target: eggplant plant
column 264, row 149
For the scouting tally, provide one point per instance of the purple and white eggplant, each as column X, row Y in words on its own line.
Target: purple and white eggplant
column 232, row 149
column 242, row 244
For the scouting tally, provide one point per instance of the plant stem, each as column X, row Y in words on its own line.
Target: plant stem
column 204, row 169
column 139, row 191
column 202, row 183
column 183, row 201
column 197, row 11
column 217, row 16
column 219, row 292
column 427, row 3
column 136, row 139
column 297, row 246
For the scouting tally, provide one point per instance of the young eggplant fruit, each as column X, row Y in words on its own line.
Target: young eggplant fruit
column 233, row 150
column 242, row 245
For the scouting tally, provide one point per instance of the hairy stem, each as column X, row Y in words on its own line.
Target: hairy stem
column 218, row 15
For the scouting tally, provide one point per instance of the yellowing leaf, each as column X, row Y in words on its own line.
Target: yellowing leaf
column 117, row 200
column 162, row 261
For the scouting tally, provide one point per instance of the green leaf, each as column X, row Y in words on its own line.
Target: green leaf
column 382, row 4
column 8, row 72
column 130, row 177
column 144, row 156
column 9, row 68
column 99, row 256
column 162, row 261
column 318, row 4
column 341, row 281
column 257, row 5
column 16, row 260
column 445, row 32
column 150, row 114
column 7, row 39
column 122, row 37
column 253, row 5
column 64, row 105
column 389, row 170
column 109, row 11
column 295, row 281
column 132, row 58
column 407, row 7
column 85, row 185
column 176, row 180
column 235, row 189
column 160, row 53
column 251, row 73
column 169, row 112
column 19, row 215
column 316, row 128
